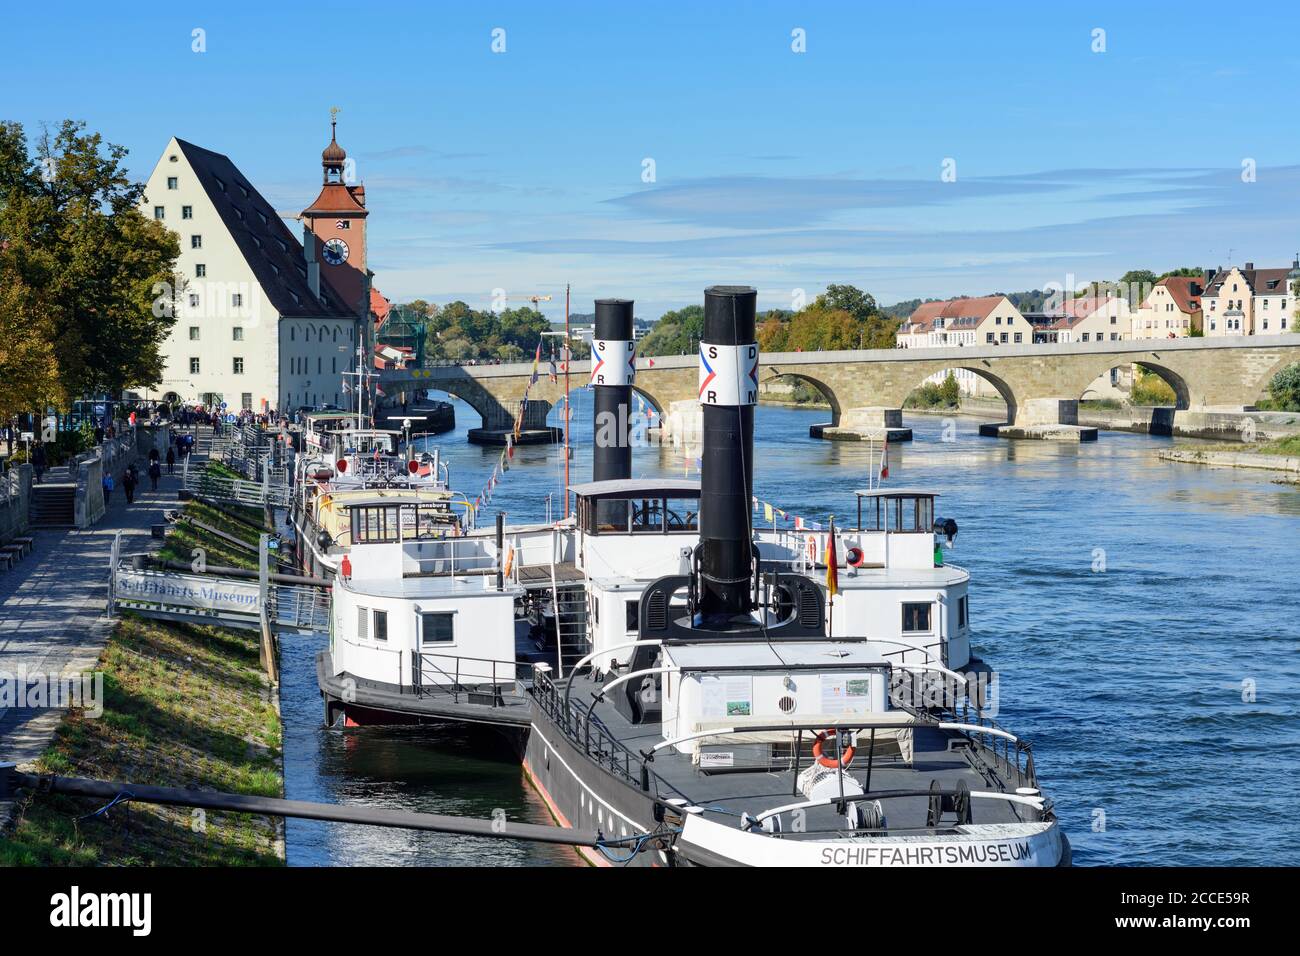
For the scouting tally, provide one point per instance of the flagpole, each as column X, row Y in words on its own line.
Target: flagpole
column 830, row 557
column 568, row 412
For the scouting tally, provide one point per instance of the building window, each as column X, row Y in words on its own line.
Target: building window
column 158, row 212
column 632, row 611
column 1085, row 337
column 196, row 242
column 343, row 224
column 916, row 617
column 187, row 212
column 1018, row 336
column 237, row 333
column 172, row 183
column 363, row 622
column 194, row 366
column 237, row 300
column 246, row 401
column 237, row 365
column 381, row 625
column 1002, row 337
column 437, row 627
column 988, row 337
column 194, row 333
column 194, row 300
column 200, row 270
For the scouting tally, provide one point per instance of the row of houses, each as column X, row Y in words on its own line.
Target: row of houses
column 1239, row 300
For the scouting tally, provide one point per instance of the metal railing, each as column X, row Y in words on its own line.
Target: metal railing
column 466, row 677
column 299, row 608
column 204, row 484
column 586, row 731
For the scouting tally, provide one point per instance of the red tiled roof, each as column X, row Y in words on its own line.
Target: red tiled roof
column 1184, row 290
column 922, row 320
column 379, row 306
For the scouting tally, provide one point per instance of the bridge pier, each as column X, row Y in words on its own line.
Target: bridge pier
column 865, row 423
column 681, row 424
column 1052, row 419
column 533, row 430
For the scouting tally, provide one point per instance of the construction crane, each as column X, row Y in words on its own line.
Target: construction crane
column 534, row 299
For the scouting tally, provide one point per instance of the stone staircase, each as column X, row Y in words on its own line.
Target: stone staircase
column 53, row 506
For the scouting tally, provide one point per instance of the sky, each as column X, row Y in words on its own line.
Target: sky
column 648, row 150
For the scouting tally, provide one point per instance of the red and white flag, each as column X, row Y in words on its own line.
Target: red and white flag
column 884, row 463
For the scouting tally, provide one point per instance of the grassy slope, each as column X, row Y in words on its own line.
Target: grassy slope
column 185, row 705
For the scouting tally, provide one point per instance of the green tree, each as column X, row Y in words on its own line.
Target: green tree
column 676, row 333
column 950, row 391
column 80, row 253
column 1285, row 389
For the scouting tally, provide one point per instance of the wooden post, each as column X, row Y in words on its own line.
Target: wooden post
column 266, row 654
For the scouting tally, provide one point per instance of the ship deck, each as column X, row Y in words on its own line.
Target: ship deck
column 725, row 794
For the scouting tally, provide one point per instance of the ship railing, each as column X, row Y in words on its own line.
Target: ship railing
column 435, row 674
column 450, row 556
column 1012, row 756
column 586, row 731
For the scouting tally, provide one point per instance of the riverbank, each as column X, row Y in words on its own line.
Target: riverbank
column 1282, row 455
column 183, row 705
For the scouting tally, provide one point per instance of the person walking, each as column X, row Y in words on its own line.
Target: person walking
column 171, row 460
column 155, row 472
column 39, row 462
column 128, row 484
column 107, row 485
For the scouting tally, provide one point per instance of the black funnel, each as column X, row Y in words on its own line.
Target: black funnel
column 728, row 392
column 612, row 370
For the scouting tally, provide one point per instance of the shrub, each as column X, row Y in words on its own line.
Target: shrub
column 1285, row 389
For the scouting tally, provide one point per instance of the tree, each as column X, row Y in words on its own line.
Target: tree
column 950, row 391
column 676, row 333
column 79, row 254
column 1285, row 389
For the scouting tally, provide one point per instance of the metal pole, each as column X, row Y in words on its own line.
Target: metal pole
column 568, row 416
column 11, row 780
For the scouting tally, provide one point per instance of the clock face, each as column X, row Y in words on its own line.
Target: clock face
column 336, row 252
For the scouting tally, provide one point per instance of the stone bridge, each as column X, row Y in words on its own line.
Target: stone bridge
column 1041, row 384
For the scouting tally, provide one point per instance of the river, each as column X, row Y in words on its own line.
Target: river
column 1141, row 615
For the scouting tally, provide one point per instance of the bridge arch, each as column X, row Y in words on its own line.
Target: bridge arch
column 818, row 383
column 1171, row 377
column 1006, row 391
column 1260, row 389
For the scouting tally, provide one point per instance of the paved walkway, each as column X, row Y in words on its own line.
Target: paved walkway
column 52, row 603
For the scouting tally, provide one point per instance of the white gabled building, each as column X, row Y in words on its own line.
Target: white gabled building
column 256, row 328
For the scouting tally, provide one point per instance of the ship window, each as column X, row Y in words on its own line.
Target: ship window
column 381, row 625
column 633, row 611
column 436, row 627
column 648, row 516
column 363, row 622
column 916, row 617
column 963, row 611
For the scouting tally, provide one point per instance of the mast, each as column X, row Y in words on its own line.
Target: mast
column 568, row 410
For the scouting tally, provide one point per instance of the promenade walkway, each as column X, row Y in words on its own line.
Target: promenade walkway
column 52, row 602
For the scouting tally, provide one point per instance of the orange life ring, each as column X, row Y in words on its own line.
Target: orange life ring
column 846, row 757
column 854, row 557
column 510, row 561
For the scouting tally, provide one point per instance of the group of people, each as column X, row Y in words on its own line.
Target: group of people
column 131, row 477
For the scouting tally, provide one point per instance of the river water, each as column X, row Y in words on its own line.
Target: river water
column 1141, row 615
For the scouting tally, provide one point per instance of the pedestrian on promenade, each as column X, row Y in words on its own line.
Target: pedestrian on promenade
column 39, row 463
column 128, row 484
column 171, row 460
column 107, row 485
column 155, row 472
column 153, row 455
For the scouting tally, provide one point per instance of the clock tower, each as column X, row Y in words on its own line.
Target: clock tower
column 334, row 231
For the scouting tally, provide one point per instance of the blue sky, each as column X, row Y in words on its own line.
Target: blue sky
column 523, row 170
